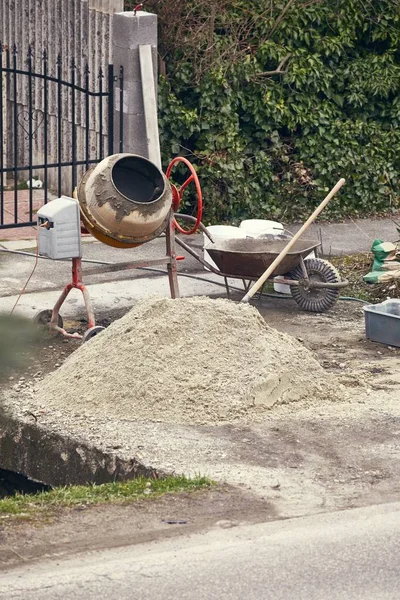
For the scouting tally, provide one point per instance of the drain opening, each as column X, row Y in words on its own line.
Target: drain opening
column 12, row 483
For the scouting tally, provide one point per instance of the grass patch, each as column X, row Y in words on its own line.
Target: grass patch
column 353, row 267
column 121, row 492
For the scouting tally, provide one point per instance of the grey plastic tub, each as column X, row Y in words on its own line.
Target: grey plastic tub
column 382, row 322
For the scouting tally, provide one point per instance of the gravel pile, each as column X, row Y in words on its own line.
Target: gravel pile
column 192, row 360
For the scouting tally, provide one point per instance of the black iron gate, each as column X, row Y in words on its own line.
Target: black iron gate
column 54, row 123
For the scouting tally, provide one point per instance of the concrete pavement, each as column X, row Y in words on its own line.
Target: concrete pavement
column 51, row 276
column 347, row 237
column 350, row 555
column 351, row 236
column 108, row 291
column 15, row 268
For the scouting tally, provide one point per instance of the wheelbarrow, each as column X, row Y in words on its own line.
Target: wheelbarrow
column 315, row 283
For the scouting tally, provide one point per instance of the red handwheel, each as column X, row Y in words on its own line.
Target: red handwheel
column 178, row 192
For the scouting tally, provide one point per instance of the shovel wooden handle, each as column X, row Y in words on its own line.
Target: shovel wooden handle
column 256, row 286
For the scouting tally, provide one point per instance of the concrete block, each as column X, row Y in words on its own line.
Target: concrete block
column 150, row 104
column 129, row 59
column 140, row 128
column 130, row 31
column 57, row 459
column 133, row 99
column 134, row 135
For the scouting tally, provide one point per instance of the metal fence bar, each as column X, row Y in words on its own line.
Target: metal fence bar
column 87, row 117
column 46, row 125
column 110, row 110
column 51, row 165
column 15, row 123
column 18, row 225
column 1, row 139
column 66, row 84
column 73, row 125
column 8, row 90
column 101, row 144
column 121, row 108
column 59, row 121
column 30, row 116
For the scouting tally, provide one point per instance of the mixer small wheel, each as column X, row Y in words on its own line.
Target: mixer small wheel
column 92, row 332
column 43, row 318
column 315, row 299
column 178, row 193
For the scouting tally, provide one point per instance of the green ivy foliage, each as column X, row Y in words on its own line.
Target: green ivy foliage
column 270, row 146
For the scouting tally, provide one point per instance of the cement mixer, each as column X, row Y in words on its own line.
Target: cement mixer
column 124, row 202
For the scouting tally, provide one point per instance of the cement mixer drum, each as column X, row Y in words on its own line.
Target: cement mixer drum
column 125, row 200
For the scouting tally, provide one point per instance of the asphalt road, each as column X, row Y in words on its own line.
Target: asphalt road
column 351, row 555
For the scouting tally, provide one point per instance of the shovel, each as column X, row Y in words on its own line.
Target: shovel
column 256, row 286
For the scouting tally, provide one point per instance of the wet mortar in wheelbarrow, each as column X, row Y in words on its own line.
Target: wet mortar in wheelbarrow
column 314, row 283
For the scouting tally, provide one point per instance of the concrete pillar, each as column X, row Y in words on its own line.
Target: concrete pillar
column 135, row 48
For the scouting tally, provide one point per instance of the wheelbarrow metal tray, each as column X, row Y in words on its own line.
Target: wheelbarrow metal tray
column 251, row 257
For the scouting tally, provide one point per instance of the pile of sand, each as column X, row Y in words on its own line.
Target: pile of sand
column 195, row 360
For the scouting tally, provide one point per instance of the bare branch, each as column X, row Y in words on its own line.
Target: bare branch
column 278, row 71
column 212, row 25
column 281, row 17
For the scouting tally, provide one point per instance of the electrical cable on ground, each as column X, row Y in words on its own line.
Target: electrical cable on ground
column 265, row 294
column 188, row 275
column 32, row 272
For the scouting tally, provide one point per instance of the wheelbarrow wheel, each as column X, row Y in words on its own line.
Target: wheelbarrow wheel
column 314, row 299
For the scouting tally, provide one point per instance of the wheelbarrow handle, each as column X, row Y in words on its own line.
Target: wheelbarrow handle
column 257, row 285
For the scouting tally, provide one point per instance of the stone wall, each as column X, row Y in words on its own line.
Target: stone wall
column 79, row 29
